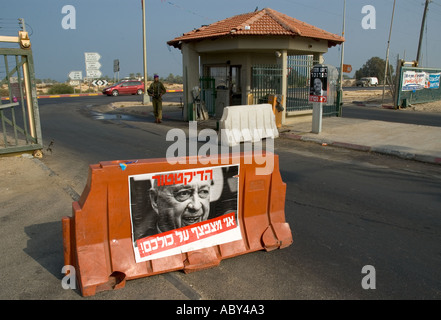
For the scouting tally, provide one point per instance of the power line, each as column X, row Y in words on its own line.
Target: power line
column 421, row 3
column 188, row 11
column 14, row 25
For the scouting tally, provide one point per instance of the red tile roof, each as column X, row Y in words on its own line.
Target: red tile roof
column 260, row 23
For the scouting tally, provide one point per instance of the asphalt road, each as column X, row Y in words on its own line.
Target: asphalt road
column 346, row 209
column 349, row 110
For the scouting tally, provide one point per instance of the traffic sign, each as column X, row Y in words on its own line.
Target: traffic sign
column 74, row 83
column 76, row 75
column 91, row 65
column 92, row 56
column 347, row 68
column 99, row 83
column 93, row 73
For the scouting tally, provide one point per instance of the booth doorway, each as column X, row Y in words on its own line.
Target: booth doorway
column 226, row 79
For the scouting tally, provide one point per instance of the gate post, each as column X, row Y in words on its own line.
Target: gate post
column 284, row 90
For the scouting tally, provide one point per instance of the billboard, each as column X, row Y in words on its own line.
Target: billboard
column 413, row 80
column 181, row 211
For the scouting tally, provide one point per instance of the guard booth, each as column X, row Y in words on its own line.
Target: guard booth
column 254, row 53
column 20, row 129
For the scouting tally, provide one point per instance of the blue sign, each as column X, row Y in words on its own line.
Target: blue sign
column 434, row 80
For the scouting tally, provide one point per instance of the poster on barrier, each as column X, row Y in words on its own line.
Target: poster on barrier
column 432, row 80
column 413, row 81
column 181, row 211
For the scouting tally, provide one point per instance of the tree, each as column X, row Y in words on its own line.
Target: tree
column 170, row 78
column 173, row 79
column 374, row 67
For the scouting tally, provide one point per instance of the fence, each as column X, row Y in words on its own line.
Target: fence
column 418, row 85
column 299, row 69
column 267, row 79
column 19, row 114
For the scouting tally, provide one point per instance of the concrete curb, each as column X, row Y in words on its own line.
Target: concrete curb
column 62, row 95
column 376, row 105
column 399, row 154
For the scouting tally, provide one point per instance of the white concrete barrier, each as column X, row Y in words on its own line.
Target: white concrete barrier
column 247, row 123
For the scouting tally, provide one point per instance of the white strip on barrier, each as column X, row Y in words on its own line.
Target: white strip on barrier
column 247, row 123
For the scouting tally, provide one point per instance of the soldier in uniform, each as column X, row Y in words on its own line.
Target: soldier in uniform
column 156, row 90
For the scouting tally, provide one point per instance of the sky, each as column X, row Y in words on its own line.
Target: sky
column 113, row 28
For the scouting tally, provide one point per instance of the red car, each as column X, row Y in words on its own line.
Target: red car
column 125, row 87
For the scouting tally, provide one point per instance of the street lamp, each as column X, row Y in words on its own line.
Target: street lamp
column 145, row 97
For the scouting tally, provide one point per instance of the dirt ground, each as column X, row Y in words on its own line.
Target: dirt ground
column 135, row 108
column 375, row 97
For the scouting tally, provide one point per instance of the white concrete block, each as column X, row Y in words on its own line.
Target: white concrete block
column 247, row 123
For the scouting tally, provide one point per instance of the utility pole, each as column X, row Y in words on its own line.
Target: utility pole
column 387, row 53
column 423, row 23
column 145, row 97
column 340, row 87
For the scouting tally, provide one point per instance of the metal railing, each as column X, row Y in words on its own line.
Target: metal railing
column 19, row 115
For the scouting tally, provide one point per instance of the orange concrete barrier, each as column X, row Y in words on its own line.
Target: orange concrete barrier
column 145, row 217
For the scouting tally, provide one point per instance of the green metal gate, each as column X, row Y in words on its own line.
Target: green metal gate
column 267, row 80
column 208, row 94
column 299, row 69
column 19, row 114
column 297, row 97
